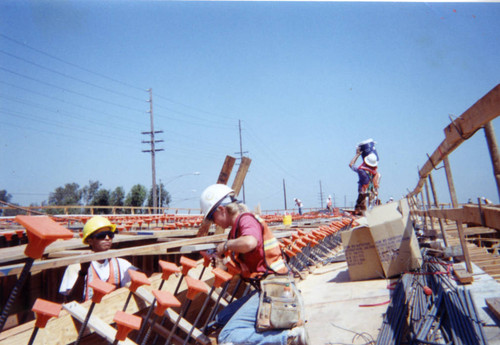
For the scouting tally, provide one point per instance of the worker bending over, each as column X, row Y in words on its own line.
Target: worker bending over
column 252, row 247
column 368, row 182
column 98, row 233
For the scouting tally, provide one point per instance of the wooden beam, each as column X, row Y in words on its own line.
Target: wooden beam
column 241, row 174
column 150, row 249
column 477, row 116
column 467, row 214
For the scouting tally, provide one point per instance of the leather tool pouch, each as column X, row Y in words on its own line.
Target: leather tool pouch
column 280, row 305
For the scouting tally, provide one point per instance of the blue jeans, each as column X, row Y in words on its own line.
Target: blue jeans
column 241, row 316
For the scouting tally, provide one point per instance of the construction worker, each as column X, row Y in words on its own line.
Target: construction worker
column 253, row 248
column 98, row 233
column 369, row 178
column 299, row 204
column 329, row 205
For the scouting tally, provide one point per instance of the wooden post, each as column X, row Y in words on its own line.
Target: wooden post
column 454, row 203
column 489, row 131
column 436, row 204
column 429, row 206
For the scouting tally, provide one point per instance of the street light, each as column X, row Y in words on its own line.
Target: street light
column 196, row 173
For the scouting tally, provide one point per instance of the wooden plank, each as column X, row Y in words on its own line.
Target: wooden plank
column 150, row 249
column 225, row 172
column 241, row 174
column 462, row 275
column 494, row 306
column 95, row 323
column 467, row 214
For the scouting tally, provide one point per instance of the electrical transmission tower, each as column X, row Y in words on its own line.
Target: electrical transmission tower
column 153, row 150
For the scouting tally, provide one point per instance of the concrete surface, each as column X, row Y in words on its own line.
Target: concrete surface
column 334, row 306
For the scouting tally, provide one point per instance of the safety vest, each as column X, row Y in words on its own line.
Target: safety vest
column 273, row 257
column 114, row 277
column 372, row 172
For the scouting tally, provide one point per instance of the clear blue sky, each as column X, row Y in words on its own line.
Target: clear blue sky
column 308, row 80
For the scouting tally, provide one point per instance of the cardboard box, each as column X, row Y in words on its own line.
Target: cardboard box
column 385, row 247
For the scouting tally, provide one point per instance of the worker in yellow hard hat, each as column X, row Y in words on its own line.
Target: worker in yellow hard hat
column 98, row 233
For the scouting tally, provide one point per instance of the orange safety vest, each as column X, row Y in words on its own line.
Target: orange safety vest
column 372, row 173
column 273, row 257
column 114, row 277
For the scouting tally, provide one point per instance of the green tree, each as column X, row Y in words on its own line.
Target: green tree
column 163, row 196
column 70, row 194
column 136, row 196
column 5, row 196
column 89, row 192
column 117, row 197
column 101, row 198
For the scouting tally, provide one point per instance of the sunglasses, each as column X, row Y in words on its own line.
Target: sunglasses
column 102, row 235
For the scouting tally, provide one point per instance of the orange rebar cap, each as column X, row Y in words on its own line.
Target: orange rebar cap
column 164, row 300
column 44, row 310
column 41, row 231
column 100, row 289
column 195, row 286
column 137, row 279
column 167, row 268
column 125, row 323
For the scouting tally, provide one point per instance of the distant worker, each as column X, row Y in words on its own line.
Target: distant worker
column 98, row 233
column 329, row 205
column 252, row 247
column 486, row 201
column 299, row 204
column 368, row 182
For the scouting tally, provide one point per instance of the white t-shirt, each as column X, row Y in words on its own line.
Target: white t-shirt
column 102, row 270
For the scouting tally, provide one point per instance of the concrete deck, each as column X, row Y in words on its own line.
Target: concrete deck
column 334, row 306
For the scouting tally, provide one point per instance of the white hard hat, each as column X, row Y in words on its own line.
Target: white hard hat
column 212, row 197
column 371, row 160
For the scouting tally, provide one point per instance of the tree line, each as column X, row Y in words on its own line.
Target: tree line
column 71, row 194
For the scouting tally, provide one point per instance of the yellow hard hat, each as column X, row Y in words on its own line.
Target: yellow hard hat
column 96, row 223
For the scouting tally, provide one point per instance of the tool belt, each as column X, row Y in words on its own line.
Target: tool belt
column 280, row 305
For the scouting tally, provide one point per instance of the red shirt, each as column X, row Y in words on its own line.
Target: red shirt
column 249, row 226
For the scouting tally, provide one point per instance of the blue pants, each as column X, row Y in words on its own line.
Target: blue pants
column 239, row 318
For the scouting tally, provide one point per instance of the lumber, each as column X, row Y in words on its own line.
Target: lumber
column 478, row 115
column 150, row 249
column 494, row 306
column 95, row 323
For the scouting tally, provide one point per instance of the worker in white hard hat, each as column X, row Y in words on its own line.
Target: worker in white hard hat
column 368, row 182
column 98, row 233
column 245, row 248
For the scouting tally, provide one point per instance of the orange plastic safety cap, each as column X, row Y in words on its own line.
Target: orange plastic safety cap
column 195, row 286
column 44, row 310
column 164, row 300
column 100, row 289
column 42, row 231
column 137, row 279
column 125, row 323
column 167, row 269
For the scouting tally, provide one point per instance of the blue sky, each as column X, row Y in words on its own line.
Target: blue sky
column 307, row 80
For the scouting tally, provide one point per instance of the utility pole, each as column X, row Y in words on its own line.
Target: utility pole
column 241, row 157
column 321, row 194
column 284, row 192
column 153, row 149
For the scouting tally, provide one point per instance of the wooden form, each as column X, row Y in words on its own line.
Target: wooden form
column 64, row 330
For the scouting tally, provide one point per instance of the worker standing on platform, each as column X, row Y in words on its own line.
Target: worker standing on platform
column 253, row 248
column 98, row 233
column 299, row 204
column 369, row 177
